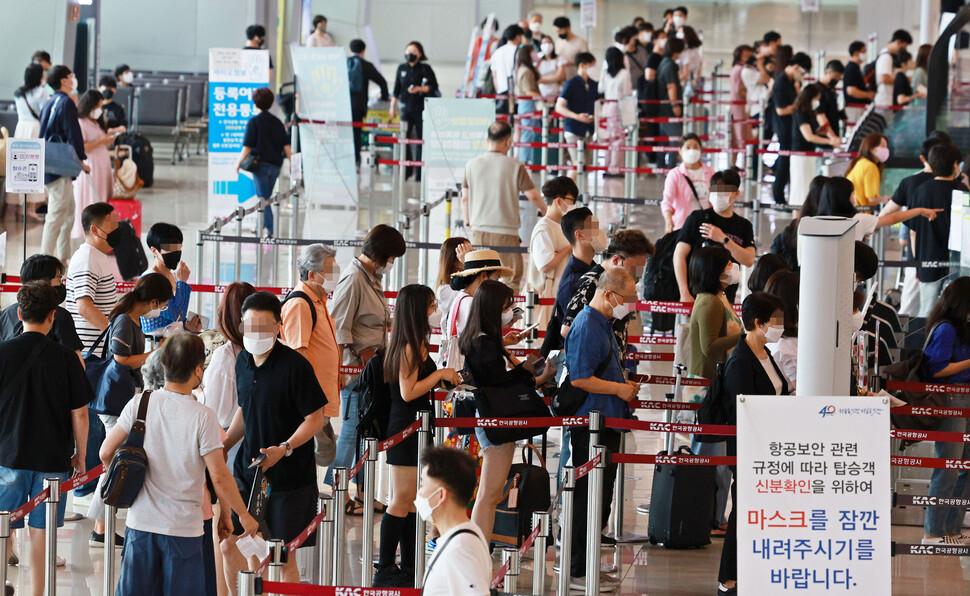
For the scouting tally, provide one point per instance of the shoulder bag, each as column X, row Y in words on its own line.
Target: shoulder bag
column 519, row 400
column 526, row 491
column 569, row 398
column 60, row 157
column 113, row 383
column 250, row 163
column 126, row 474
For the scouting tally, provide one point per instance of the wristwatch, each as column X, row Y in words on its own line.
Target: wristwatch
column 289, row 450
column 726, row 240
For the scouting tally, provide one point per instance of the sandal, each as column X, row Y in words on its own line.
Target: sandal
column 353, row 508
column 378, row 506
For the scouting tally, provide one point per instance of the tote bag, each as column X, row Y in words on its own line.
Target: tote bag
column 60, row 158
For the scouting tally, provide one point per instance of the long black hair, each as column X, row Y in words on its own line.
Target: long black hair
column 33, row 75
column 410, row 330
column 614, row 61
column 836, row 198
column 485, row 318
column 153, row 286
column 954, row 308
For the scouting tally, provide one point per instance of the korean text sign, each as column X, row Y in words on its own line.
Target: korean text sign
column 25, row 165
column 812, row 486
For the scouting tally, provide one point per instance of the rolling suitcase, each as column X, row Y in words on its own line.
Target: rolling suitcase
column 129, row 253
column 681, row 504
column 128, row 209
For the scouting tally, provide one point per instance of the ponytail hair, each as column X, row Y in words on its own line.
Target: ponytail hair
column 153, row 286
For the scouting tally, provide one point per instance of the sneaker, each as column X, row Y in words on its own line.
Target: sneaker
column 941, row 541
column 430, row 546
column 722, row 591
column 961, row 539
column 607, row 583
column 97, row 540
column 74, row 517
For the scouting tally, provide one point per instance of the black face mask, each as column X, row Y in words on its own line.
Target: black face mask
column 563, row 36
column 409, row 58
column 113, row 238
column 61, row 292
column 172, row 259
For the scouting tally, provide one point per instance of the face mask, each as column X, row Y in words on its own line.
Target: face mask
column 547, row 49
column 434, row 319
column 720, row 201
column 113, row 238
column 423, row 505
column 774, row 333
column 128, row 77
column 620, row 311
column 535, row 26
column 863, row 57
column 96, row 113
column 73, row 85
column 678, row 21
column 382, row 269
column 563, row 36
column 691, row 156
column 330, row 284
column 660, row 43
column 171, row 259
column 257, row 346
column 816, row 104
column 679, row 35
column 61, row 292
column 152, row 314
column 858, row 319
column 261, row 42
column 646, row 37
column 409, row 57
column 507, row 317
column 731, row 276
column 881, row 153
column 599, row 241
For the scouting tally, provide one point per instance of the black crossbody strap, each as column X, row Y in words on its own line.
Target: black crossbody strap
column 690, row 183
column 441, row 548
column 14, row 383
column 136, row 438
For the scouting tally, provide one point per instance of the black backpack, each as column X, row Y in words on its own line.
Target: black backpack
column 869, row 76
column 526, row 491
column 305, row 298
column 355, row 74
column 659, row 280
column 141, row 154
column 373, row 400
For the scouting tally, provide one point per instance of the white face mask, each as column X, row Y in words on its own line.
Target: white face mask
column 547, row 49
column 382, row 269
column 679, row 21
column 152, row 314
column 620, row 311
column 858, row 319
column 507, row 317
column 773, row 333
column 599, row 241
column 690, row 156
column 73, row 84
column 257, row 346
column 330, row 279
column 424, row 508
column 434, row 319
column 816, row 104
column 535, row 26
column 731, row 276
column 645, row 37
column 680, row 35
column 660, row 43
column 128, row 77
column 96, row 113
column 863, row 57
column 720, row 201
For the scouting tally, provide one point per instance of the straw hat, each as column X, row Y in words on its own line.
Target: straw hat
column 477, row 261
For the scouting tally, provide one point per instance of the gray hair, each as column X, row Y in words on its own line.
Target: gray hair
column 534, row 13
column 152, row 371
column 312, row 258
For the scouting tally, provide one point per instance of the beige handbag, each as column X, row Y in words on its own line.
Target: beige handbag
column 126, row 181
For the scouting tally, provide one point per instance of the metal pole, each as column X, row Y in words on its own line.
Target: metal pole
column 618, row 502
column 50, row 509
column 510, row 555
column 110, row 523
column 669, row 414
column 4, row 554
column 424, row 436
column 274, row 266
column 630, row 178
column 581, row 166
column 277, row 553
column 400, row 202
column 594, row 533
column 240, row 212
column 440, row 433
column 246, row 583
column 294, row 207
column 595, row 426
column 199, row 256
column 566, row 528
column 448, row 198
column 544, row 151
column 530, row 314
column 339, row 498
column 425, row 235
column 325, row 539
column 370, row 478
column 540, row 519
column 217, row 256
column 259, row 245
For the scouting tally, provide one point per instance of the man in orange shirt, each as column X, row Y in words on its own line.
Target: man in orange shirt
column 308, row 327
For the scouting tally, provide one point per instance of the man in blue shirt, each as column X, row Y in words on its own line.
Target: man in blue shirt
column 594, row 363
column 577, row 103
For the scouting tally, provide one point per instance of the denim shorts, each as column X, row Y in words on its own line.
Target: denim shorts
column 18, row 486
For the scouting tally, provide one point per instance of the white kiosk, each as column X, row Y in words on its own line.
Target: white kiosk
column 826, row 249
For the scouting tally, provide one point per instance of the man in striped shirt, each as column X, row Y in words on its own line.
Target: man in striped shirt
column 90, row 281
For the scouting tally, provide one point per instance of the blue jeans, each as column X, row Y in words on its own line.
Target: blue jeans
column 159, row 565
column 18, row 486
column 723, row 476
column 947, row 521
column 529, row 154
column 265, row 179
column 347, row 440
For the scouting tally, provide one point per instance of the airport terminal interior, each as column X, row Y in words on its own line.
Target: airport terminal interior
column 169, row 45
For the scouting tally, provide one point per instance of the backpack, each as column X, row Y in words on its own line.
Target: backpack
column 305, row 298
column 141, row 154
column 373, row 400
column 908, row 370
column 527, row 490
column 126, row 475
column 659, row 280
column 869, row 76
column 355, row 74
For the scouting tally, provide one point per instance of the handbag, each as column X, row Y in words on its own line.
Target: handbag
column 526, row 491
column 60, row 157
column 908, row 370
column 113, row 383
column 250, row 163
column 569, row 398
column 325, row 446
column 126, row 473
column 126, row 181
column 520, row 400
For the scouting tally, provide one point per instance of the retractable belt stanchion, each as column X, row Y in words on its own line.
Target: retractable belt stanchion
column 540, row 519
column 544, row 152
column 581, row 165
column 760, row 164
column 4, row 554
column 618, row 500
column 750, row 170
column 370, row 479
column 566, row 528
column 339, row 497
column 216, row 256
column 424, row 435
column 530, row 314
column 238, row 252
column 448, row 198
column 246, row 583
column 425, row 235
column 325, row 539
column 440, row 432
column 510, row 556
column 110, row 523
column 669, row 414
column 277, row 553
column 199, row 256
column 50, row 509
column 595, row 426
column 594, row 534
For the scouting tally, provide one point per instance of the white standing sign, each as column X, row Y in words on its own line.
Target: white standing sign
column 25, row 165
column 587, row 14
column 813, row 507
column 811, row 5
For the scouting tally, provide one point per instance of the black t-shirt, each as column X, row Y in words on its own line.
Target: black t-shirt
column 267, row 137
column 35, row 415
column 783, row 95
column 114, row 114
column 419, row 75
column 650, row 90
column 736, row 227
column 270, row 54
column 853, row 78
column 275, row 398
column 901, row 86
column 830, row 107
column 63, row 331
column 799, row 142
column 932, row 237
column 908, row 186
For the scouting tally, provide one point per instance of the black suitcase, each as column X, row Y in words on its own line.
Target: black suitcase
column 130, row 253
column 682, row 504
column 141, row 154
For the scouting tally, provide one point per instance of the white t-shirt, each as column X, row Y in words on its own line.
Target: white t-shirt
column 616, row 87
column 219, row 383
column 756, row 91
column 179, row 432
column 772, row 374
column 90, row 275
column 547, row 239
column 503, row 65
column 884, row 92
column 546, row 68
column 866, row 225
column 785, row 353
column 700, row 181
column 461, row 565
